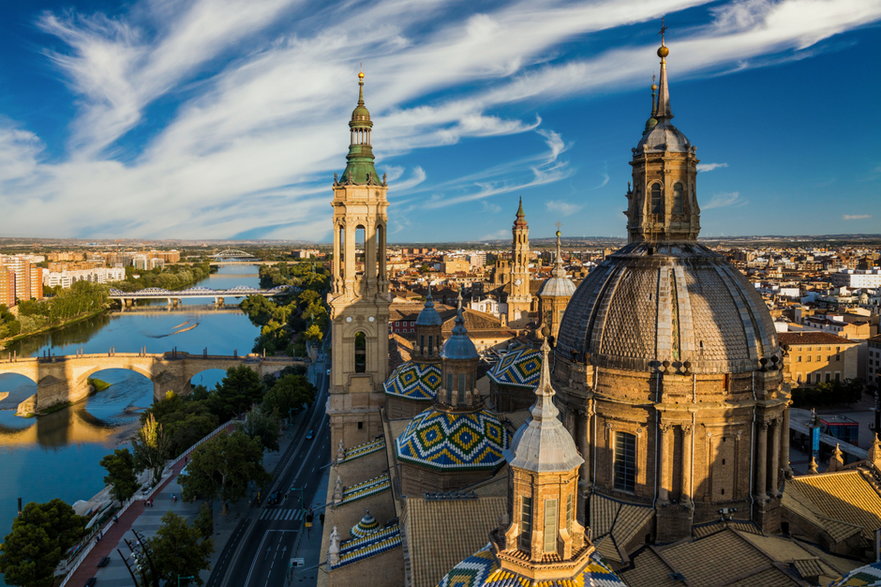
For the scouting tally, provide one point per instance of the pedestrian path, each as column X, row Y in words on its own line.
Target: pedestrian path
column 283, row 514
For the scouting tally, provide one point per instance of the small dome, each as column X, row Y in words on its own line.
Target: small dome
column 361, row 116
column 677, row 304
column 557, row 287
column 454, row 441
column 428, row 316
column 366, row 526
column 521, row 367
column 459, row 345
column 482, row 569
column 414, row 380
column 663, row 137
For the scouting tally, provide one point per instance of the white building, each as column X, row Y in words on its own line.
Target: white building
column 857, row 278
column 95, row 275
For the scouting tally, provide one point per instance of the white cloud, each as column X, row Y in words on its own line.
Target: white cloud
column 490, row 207
column 704, row 167
column 564, row 208
column 259, row 119
column 856, row 216
column 727, row 200
column 497, row 235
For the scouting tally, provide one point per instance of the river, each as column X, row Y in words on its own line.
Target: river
column 58, row 455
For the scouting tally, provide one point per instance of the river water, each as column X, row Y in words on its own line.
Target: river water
column 58, row 455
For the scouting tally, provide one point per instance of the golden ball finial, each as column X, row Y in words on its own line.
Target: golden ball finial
column 654, row 87
column 360, row 75
column 663, row 51
column 558, row 234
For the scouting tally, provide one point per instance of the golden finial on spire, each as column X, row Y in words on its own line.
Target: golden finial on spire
column 663, row 51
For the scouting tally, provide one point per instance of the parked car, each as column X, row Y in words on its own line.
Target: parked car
column 275, row 498
column 104, row 562
column 91, row 582
column 310, row 434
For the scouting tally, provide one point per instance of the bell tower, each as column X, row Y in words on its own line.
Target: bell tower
column 662, row 204
column 519, row 300
column 359, row 299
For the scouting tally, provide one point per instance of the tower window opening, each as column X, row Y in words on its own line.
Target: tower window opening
column 569, row 508
column 342, row 247
column 526, row 524
column 360, row 352
column 380, row 250
column 550, row 526
column 625, row 461
column 422, row 344
column 657, row 203
column 678, row 199
column 359, row 250
column 431, row 344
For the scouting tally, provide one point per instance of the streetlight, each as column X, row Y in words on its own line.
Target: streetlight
column 179, row 578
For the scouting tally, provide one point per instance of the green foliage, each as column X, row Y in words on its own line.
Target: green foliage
column 120, row 474
column 80, row 299
column 9, row 325
column 179, row 550
column 236, row 393
column 288, row 394
column 223, row 467
column 313, row 333
column 151, row 446
column 828, row 394
column 40, row 537
column 205, row 520
column 263, row 426
column 172, row 277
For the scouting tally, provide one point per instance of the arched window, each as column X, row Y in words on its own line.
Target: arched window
column 360, row 352
column 625, row 461
column 678, row 199
column 657, row 203
column 359, row 250
column 422, row 344
column 430, row 344
column 380, row 250
column 342, row 248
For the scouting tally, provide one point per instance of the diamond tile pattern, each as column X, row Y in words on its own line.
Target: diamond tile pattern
column 521, row 367
column 419, row 381
column 482, row 569
column 454, row 441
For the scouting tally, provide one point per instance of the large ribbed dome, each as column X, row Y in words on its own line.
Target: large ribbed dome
column 678, row 303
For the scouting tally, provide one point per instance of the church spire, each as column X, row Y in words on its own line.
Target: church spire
column 559, row 271
column 359, row 161
column 662, row 105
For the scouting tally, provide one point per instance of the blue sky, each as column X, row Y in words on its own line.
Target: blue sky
column 227, row 118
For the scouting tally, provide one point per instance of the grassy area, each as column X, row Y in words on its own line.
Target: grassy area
column 98, row 384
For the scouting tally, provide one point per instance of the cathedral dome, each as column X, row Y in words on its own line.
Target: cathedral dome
column 557, row 287
column 669, row 305
column 428, row 316
column 454, row 441
column 414, row 380
column 663, row 137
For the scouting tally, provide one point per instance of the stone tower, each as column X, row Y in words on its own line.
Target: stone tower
column 429, row 337
column 554, row 296
column 667, row 360
column 519, row 300
column 359, row 300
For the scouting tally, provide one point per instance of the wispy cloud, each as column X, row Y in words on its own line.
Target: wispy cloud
column 564, row 208
column 856, row 216
column 727, row 200
column 490, row 207
column 497, row 235
column 704, row 167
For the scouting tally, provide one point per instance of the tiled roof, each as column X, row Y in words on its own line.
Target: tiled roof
column 482, row 569
column 440, row 533
column 701, row 530
column 360, row 548
column 811, row 337
column 649, row 570
column 454, row 441
column 363, row 449
column 808, row 567
column 365, row 488
column 867, row 576
column 769, row 577
column 699, row 561
column 412, row 380
column 619, row 521
column 520, row 367
column 844, row 496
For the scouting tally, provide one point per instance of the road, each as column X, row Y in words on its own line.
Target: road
column 259, row 551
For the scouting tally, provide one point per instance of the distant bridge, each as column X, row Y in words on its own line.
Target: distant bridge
column 65, row 378
column 233, row 254
column 157, row 293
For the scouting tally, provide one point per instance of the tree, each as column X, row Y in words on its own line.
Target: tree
column 205, row 520
column 120, row 474
column 238, row 391
column 263, row 426
column 40, row 537
column 313, row 333
column 288, row 394
column 179, row 550
column 223, row 467
column 151, row 446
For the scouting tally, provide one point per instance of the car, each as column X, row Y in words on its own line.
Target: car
column 310, row 434
column 328, row 372
column 274, row 498
column 104, row 562
column 91, row 582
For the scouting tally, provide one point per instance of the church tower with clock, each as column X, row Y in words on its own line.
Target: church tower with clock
column 519, row 298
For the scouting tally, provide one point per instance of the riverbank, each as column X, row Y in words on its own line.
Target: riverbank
column 51, row 328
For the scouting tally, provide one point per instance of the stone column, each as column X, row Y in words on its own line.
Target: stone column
column 665, row 454
column 369, row 251
column 336, row 252
column 761, row 462
column 687, row 463
column 774, row 480
column 784, row 450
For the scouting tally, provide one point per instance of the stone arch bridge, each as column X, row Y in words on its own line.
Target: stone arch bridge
column 65, row 378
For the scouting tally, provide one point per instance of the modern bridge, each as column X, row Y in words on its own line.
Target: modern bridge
column 64, row 379
column 174, row 296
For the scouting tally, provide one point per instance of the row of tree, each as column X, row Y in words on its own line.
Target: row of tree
column 286, row 324
column 173, row 277
column 81, row 299
column 223, row 467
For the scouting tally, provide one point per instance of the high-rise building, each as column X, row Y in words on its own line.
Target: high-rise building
column 359, row 299
column 28, row 282
column 7, row 286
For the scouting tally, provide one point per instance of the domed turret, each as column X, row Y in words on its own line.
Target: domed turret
column 459, row 347
column 359, row 166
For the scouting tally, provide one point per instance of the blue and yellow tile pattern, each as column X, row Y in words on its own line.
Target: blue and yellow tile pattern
column 482, row 570
column 374, row 543
column 521, row 367
column 454, row 441
column 411, row 380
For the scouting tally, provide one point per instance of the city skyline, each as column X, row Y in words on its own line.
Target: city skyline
column 212, row 121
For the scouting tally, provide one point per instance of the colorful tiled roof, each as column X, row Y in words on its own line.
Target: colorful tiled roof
column 365, row 526
column 411, row 380
column 867, row 576
column 454, row 441
column 520, row 367
column 360, row 548
column 482, row 569
column 365, row 488
column 363, row 449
